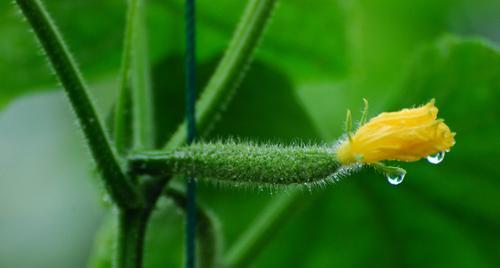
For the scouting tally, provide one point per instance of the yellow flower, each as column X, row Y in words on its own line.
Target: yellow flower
column 407, row 135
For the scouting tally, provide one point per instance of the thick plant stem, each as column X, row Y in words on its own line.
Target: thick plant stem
column 131, row 235
column 207, row 230
column 134, row 128
column 120, row 189
column 241, row 163
column 231, row 68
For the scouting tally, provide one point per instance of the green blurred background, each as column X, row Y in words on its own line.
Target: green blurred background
column 317, row 59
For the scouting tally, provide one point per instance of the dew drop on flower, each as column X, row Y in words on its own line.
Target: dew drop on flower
column 436, row 158
column 395, row 178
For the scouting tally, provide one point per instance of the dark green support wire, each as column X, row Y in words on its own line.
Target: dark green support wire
column 191, row 129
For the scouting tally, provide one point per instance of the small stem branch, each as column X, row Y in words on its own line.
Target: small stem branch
column 208, row 233
column 141, row 83
column 131, row 235
column 119, row 188
column 241, row 163
column 122, row 127
column 123, row 109
column 231, row 68
column 134, row 108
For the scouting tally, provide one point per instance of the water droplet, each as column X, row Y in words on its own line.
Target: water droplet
column 396, row 177
column 436, row 158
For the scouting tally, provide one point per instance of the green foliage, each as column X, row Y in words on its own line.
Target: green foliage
column 93, row 41
column 318, row 59
column 463, row 75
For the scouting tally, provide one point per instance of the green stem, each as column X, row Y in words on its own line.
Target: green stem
column 123, row 108
column 231, row 68
column 242, row 163
column 131, row 235
column 133, row 113
column 133, row 127
column 208, row 233
column 122, row 121
column 263, row 230
column 119, row 188
column 141, row 84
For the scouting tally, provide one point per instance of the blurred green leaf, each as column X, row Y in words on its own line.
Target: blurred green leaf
column 96, row 42
column 93, row 41
column 293, row 53
column 316, row 60
column 250, row 113
column 447, row 212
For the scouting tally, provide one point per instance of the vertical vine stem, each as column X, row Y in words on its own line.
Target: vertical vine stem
column 231, row 68
column 190, row 67
column 122, row 192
